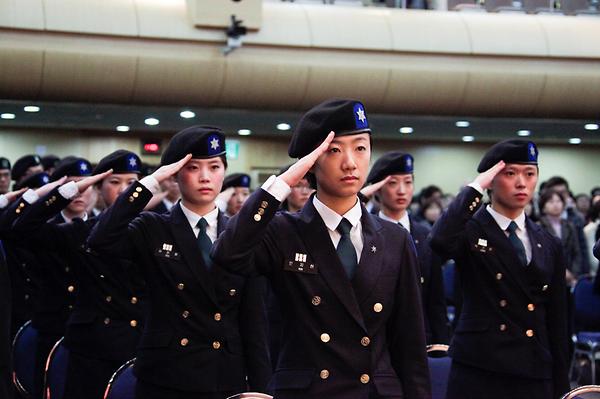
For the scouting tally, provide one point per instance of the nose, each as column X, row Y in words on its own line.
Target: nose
column 520, row 182
column 348, row 163
column 203, row 176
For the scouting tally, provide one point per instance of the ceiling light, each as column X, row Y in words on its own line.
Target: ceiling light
column 244, row 132
column 8, row 116
column 574, row 140
column 591, row 126
column 122, row 128
column 468, row 139
column 31, row 108
column 463, row 123
column 524, row 133
column 151, row 121
column 283, row 126
column 187, row 114
column 406, row 130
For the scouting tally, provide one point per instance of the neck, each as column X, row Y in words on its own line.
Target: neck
column 172, row 198
column 339, row 205
column 199, row 209
column 292, row 208
column 393, row 214
column 511, row 213
column 72, row 215
column 554, row 218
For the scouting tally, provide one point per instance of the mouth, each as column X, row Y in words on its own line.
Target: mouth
column 349, row 179
column 521, row 196
column 205, row 190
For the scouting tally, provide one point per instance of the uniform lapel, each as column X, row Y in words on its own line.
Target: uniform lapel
column 504, row 250
column 370, row 264
column 537, row 251
column 186, row 242
column 314, row 233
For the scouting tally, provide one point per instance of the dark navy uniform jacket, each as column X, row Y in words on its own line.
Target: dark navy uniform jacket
column 339, row 336
column 206, row 331
column 432, row 286
column 108, row 314
column 513, row 319
column 5, row 320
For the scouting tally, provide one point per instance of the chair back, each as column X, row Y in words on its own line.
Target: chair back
column 24, row 359
column 584, row 392
column 122, row 383
column 587, row 305
column 439, row 369
column 55, row 374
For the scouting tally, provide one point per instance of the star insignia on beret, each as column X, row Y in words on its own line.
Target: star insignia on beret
column 361, row 115
column 83, row 167
column 532, row 150
column 132, row 162
column 408, row 162
column 45, row 179
column 214, row 143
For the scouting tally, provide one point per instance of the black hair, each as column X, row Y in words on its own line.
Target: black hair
column 546, row 196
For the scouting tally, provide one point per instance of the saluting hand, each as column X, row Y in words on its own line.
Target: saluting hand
column 13, row 195
column 164, row 172
column 485, row 179
column 89, row 181
column 297, row 171
column 371, row 189
column 46, row 188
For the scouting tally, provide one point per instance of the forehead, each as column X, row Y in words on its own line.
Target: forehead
column 519, row 166
column 207, row 161
column 354, row 138
column 401, row 176
column 123, row 176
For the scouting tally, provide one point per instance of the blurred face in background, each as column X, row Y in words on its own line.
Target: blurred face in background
column 115, row 184
column 236, row 201
column 80, row 203
column 299, row 195
column 4, row 181
column 171, row 187
column 432, row 212
column 554, row 206
column 396, row 195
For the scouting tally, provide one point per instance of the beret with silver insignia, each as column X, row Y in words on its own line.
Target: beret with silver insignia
column 509, row 151
column 392, row 163
column 121, row 162
column 236, row 180
column 72, row 166
column 201, row 141
column 34, row 181
column 25, row 162
column 343, row 116
column 4, row 163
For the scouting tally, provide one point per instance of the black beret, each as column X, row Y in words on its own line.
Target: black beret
column 509, row 151
column 236, row 180
column 72, row 166
column 392, row 163
column 200, row 141
column 24, row 163
column 343, row 116
column 120, row 161
column 4, row 163
column 34, row 181
column 50, row 161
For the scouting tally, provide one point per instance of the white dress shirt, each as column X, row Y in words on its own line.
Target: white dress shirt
column 211, row 219
column 503, row 222
column 404, row 221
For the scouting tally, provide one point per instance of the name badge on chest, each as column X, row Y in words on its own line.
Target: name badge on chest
column 300, row 265
column 167, row 251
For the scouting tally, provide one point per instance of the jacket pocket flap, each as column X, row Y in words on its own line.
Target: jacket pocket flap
column 292, row 378
column 466, row 325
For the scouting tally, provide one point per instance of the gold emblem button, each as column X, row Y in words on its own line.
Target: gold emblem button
column 185, row 314
column 378, row 307
column 184, row 341
column 257, row 217
column 217, row 316
column 180, row 286
column 216, row 345
column 264, row 204
column 108, row 298
column 499, row 276
column 324, row 374
column 138, row 189
column 365, row 378
column 316, row 300
column 133, row 323
column 545, row 287
column 135, row 195
column 531, row 307
column 503, row 303
column 134, row 300
column 70, row 288
column 107, row 321
column 232, row 292
column 365, row 341
column 325, row 337
column 529, row 333
column 502, row 327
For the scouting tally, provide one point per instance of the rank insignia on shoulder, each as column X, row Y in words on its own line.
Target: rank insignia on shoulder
column 167, row 251
column 300, row 265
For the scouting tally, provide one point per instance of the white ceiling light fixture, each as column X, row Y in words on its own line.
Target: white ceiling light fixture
column 187, row 114
column 591, row 126
column 574, row 140
column 31, row 108
column 283, row 126
column 463, row 124
column 524, row 133
column 468, row 139
column 151, row 121
column 122, row 128
column 406, row 130
column 244, row 132
column 8, row 115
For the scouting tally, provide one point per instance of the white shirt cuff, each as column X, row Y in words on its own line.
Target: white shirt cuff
column 3, row 201
column 477, row 187
column 151, row 184
column 68, row 190
column 30, row 196
column 277, row 188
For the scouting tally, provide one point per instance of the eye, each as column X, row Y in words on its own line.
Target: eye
column 333, row 149
column 215, row 167
column 362, row 148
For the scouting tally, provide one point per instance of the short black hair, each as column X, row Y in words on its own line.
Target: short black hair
column 556, row 181
column 546, row 196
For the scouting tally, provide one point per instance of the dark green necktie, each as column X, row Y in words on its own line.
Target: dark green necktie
column 204, row 242
column 516, row 242
column 345, row 249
